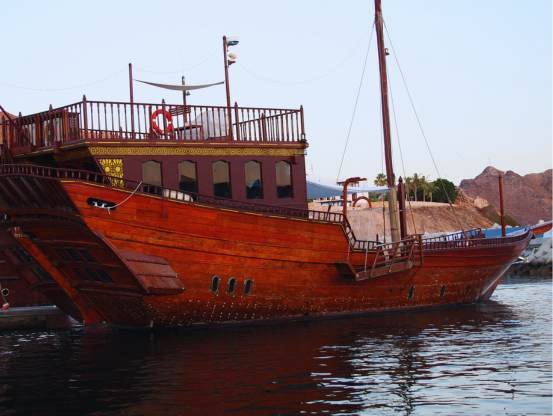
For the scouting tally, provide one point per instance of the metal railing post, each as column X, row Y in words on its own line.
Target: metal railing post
column 85, row 117
column 236, row 121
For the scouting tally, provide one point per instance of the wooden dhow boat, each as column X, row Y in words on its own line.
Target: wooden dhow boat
column 201, row 219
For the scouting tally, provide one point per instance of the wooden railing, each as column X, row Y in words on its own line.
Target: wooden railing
column 466, row 239
column 163, row 192
column 168, row 193
column 107, row 120
column 411, row 248
column 408, row 252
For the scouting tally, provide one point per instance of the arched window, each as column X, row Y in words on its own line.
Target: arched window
column 151, row 175
column 254, row 184
column 151, row 172
column 284, row 179
column 221, row 179
column 187, row 177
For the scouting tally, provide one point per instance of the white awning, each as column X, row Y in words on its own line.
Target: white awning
column 180, row 87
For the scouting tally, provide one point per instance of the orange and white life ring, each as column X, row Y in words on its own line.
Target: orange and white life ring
column 168, row 125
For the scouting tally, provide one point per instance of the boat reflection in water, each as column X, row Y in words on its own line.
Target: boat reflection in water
column 465, row 360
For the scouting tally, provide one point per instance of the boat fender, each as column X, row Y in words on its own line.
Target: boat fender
column 168, row 117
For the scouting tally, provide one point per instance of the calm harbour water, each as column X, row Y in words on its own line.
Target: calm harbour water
column 488, row 359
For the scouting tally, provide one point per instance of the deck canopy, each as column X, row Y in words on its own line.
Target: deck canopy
column 180, row 87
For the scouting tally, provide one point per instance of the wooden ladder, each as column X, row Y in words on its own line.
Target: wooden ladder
column 389, row 259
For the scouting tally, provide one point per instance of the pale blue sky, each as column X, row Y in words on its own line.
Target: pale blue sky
column 480, row 71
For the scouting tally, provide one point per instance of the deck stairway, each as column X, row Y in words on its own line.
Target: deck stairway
column 389, row 259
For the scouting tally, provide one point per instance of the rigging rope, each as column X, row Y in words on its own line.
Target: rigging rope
column 356, row 103
column 314, row 78
column 411, row 101
column 181, row 70
column 109, row 208
column 381, row 134
column 401, row 155
column 74, row 87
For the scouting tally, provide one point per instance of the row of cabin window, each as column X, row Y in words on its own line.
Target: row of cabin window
column 188, row 180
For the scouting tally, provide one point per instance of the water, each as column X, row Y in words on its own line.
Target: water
column 492, row 359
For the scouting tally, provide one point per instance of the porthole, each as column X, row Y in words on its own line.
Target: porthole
column 215, row 284
column 411, row 292
column 442, row 291
column 248, row 286
column 231, row 285
column 100, row 203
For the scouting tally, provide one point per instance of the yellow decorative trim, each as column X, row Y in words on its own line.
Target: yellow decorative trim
column 113, row 167
column 193, row 151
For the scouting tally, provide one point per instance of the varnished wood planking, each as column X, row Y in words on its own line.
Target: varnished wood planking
column 290, row 261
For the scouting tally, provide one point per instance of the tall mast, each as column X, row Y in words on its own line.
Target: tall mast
column 392, row 197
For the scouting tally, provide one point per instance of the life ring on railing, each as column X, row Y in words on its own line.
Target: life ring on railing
column 168, row 116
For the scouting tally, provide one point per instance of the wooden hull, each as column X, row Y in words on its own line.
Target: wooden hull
column 152, row 261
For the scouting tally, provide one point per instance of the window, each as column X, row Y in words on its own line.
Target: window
column 411, row 292
column 41, row 274
column 254, row 185
column 215, row 284
column 284, row 179
column 151, row 172
column 231, row 285
column 94, row 275
column 442, row 291
column 151, row 175
column 187, row 177
column 248, row 286
column 221, row 179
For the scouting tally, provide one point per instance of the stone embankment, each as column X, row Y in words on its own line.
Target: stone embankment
column 537, row 259
column 422, row 217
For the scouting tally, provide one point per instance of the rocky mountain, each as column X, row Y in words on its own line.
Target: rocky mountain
column 527, row 198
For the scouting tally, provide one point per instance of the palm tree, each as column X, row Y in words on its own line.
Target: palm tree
column 416, row 184
column 408, row 186
column 425, row 187
column 381, row 180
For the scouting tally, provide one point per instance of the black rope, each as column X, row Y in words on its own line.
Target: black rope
column 401, row 154
column 355, row 105
column 421, row 128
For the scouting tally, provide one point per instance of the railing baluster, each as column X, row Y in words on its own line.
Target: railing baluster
column 126, row 127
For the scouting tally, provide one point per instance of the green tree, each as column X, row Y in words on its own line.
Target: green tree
column 425, row 187
column 381, row 180
column 444, row 191
column 409, row 188
column 416, row 185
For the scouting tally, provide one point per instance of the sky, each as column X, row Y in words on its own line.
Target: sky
column 479, row 72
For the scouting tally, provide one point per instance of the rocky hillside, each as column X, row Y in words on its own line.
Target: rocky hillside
column 527, row 198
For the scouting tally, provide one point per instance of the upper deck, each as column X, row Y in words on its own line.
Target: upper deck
column 140, row 123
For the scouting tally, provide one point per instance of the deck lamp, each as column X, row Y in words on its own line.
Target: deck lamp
column 230, row 58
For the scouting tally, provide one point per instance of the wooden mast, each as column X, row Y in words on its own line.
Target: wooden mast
column 392, row 197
